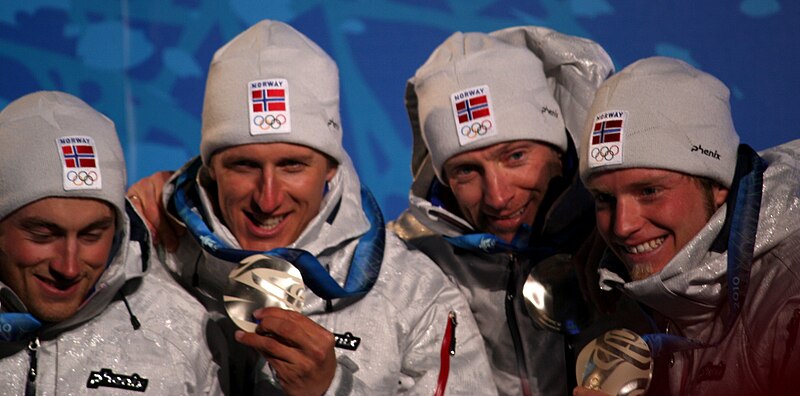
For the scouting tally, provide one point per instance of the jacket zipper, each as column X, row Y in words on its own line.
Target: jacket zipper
column 686, row 365
column 33, row 351
column 448, row 349
column 514, row 328
column 453, row 323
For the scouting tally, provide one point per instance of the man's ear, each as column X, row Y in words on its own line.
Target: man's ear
column 720, row 195
column 333, row 166
column 208, row 170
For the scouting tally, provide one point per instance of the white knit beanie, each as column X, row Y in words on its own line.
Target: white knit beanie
column 271, row 84
column 476, row 90
column 661, row 113
column 55, row 145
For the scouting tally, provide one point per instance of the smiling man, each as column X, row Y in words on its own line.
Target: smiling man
column 707, row 230
column 495, row 187
column 647, row 215
column 500, row 188
column 273, row 179
column 42, row 273
column 78, row 313
column 267, row 194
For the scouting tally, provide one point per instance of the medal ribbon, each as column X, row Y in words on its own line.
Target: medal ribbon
column 490, row 244
column 16, row 326
column 364, row 267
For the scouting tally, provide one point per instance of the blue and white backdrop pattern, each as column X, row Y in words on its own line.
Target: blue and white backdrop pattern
column 143, row 62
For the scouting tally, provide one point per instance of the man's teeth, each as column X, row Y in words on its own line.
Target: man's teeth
column 645, row 247
column 515, row 214
column 60, row 285
column 271, row 222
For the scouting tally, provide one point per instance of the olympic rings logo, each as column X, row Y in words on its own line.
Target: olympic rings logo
column 476, row 129
column 82, row 177
column 606, row 153
column 269, row 122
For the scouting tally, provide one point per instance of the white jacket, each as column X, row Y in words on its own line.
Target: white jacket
column 401, row 321
column 760, row 355
column 574, row 67
column 99, row 348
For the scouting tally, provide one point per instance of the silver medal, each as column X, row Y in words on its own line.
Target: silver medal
column 262, row 281
column 617, row 363
column 553, row 297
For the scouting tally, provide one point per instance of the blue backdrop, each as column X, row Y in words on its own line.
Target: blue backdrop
column 143, row 63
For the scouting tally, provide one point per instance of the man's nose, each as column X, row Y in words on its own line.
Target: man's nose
column 498, row 192
column 67, row 265
column 270, row 192
column 627, row 218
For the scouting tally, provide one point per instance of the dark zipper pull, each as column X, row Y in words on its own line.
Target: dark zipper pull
column 453, row 323
column 33, row 351
column 196, row 273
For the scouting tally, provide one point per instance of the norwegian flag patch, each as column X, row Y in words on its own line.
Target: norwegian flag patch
column 472, row 111
column 79, row 163
column 268, row 106
column 608, row 135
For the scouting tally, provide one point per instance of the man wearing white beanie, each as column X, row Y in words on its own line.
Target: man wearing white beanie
column 495, row 189
column 706, row 230
column 78, row 312
column 373, row 317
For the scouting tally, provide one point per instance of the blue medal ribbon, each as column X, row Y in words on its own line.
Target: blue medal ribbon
column 17, row 326
column 520, row 245
column 661, row 343
column 364, row 267
column 490, row 243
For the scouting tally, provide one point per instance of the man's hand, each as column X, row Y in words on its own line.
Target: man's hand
column 145, row 195
column 300, row 350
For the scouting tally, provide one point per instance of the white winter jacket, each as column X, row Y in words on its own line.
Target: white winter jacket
column 400, row 322
column 760, row 355
column 519, row 352
column 98, row 350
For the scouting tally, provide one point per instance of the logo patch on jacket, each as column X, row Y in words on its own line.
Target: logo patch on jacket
column 106, row 377
column 711, row 372
column 347, row 341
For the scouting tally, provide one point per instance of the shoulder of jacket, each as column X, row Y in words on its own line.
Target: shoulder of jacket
column 408, row 276
column 163, row 303
column 773, row 293
column 787, row 252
